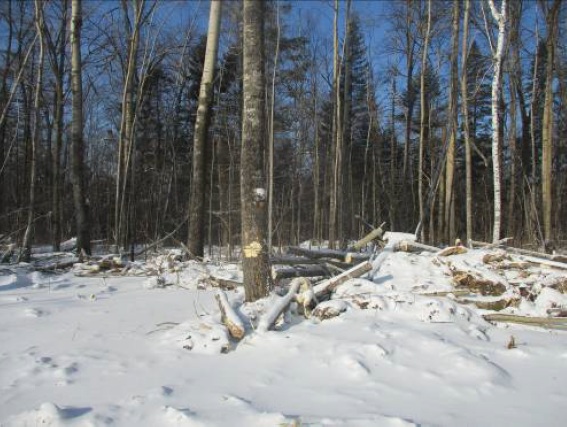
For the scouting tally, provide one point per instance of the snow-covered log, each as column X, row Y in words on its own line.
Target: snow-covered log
column 229, row 317
column 377, row 233
column 329, row 285
column 519, row 251
column 269, row 319
column 452, row 250
column 349, row 257
column 409, row 246
column 545, row 322
column 299, row 271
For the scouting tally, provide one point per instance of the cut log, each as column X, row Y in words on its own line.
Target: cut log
column 409, row 246
column 496, row 305
column 329, row 309
column 301, row 260
column 269, row 319
column 452, row 250
column 519, row 251
column 377, row 233
column 58, row 265
column 218, row 282
column 482, row 286
column 329, row 285
column 544, row 322
column 332, row 254
column 229, row 318
column 299, row 271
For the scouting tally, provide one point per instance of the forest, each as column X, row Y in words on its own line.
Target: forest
column 451, row 125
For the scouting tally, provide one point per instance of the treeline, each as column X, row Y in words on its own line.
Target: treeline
column 460, row 98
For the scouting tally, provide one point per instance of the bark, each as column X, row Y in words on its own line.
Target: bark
column 271, row 135
column 335, row 151
column 77, row 164
column 423, row 129
column 25, row 255
column 552, row 20
column 228, row 316
column 500, row 18
column 453, row 126
column 197, row 205
column 127, row 118
column 253, row 194
column 466, row 131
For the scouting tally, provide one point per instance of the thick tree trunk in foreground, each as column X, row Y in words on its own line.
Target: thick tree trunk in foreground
column 77, row 166
column 197, row 207
column 253, row 194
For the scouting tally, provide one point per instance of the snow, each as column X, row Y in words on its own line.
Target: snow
column 94, row 351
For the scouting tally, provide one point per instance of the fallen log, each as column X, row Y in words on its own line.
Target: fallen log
column 333, row 254
column 219, row 282
column 301, row 260
column 299, row 271
column 269, row 319
column 229, row 318
column 377, row 233
column 519, row 251
column 329, row 285
column 452, row 250
column 495, row 305
column 409, row 246
column 329, row 309
column 544, row 322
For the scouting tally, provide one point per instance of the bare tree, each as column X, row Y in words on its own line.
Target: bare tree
column 552, row 18
column 252, row 181
column 466, row 130
column 77, row 164
column 197, row 205
column 423, row 127
column 25, row 254
column 453, row 126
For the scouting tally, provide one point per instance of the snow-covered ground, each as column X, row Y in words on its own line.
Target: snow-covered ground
column 81, row 351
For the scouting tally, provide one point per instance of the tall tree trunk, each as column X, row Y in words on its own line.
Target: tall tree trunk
column 127, row 119
column 552, row 18
column 466, row 131
column 335, row 152
column 252, row 181
column 25, row 254
column 449, row 226
column 271, row 134
column 195, row 242
column 500, row 18
column 58, row 67
column 423, row 127
column 77, row 164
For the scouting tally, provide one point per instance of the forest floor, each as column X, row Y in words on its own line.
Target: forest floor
column 126, row 351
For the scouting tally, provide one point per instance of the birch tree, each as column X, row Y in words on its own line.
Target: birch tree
column 197, row 204
column 500, row 17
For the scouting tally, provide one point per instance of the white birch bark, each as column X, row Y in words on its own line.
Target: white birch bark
column 500, row 18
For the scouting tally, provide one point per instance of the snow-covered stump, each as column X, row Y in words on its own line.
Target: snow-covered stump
column 269, row 319
column 229, row 317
